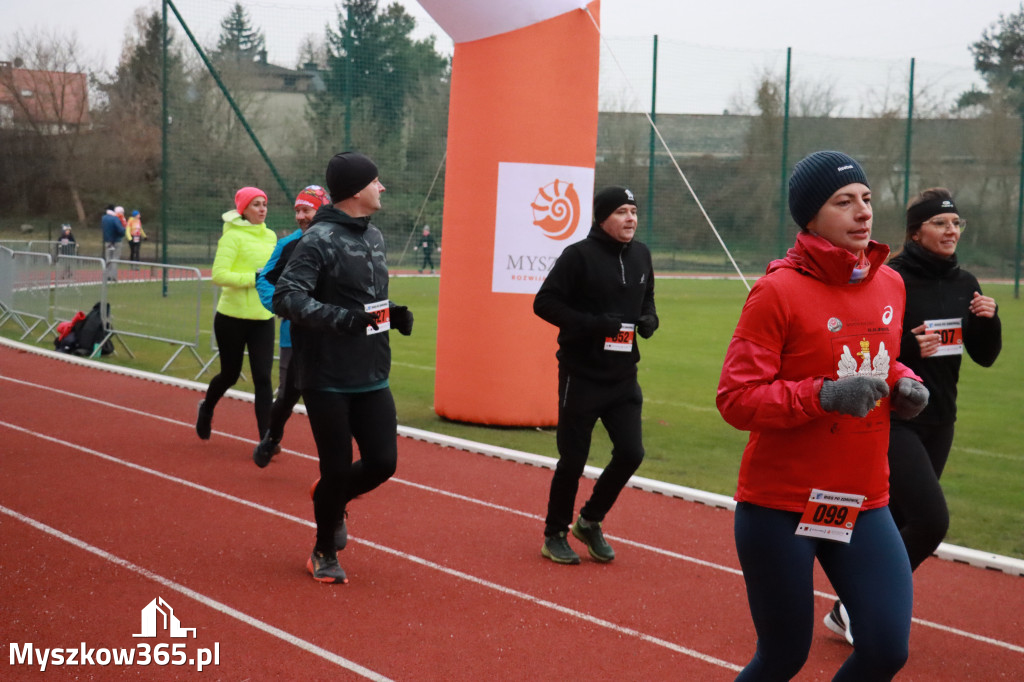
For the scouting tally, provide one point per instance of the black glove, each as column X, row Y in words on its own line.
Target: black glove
column 854, row 395
column 355, row 322
column 605, row 325
column 401, row 319
column 646, row 325
column 909, row 398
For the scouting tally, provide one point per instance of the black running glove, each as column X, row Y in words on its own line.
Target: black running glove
column 646, row 325
column 401, row 319
column 355, row 322
column 605, row 325
column 854, row 395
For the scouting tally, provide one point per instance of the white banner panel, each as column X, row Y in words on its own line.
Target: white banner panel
column 466, row 20
column 541, row 209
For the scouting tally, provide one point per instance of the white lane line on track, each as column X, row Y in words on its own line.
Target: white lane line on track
column 399, row 480
column 220, row 607
column 508, row 591
column 657, row 550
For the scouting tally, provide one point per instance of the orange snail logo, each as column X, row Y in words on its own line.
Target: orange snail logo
column 556, row 210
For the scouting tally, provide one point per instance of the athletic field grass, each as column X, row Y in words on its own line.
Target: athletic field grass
column 686, row 440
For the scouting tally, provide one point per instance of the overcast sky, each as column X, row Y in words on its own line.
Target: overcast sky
column 935, row 32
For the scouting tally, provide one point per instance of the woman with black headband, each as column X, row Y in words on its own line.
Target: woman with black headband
column 946, row 314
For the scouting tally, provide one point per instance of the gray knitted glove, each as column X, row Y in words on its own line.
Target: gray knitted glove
column 854, row 395
column 909, row 397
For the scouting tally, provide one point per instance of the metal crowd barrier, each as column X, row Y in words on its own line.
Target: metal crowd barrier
column 78, row 286
column 6, row 284
column 147, row 301
column 157, row 302
column 27, row 278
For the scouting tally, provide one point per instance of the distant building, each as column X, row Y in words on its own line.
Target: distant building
column 279, row 120
column 49, row 102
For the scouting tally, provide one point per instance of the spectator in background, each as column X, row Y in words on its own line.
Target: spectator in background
column 809, row 373
column 426, row 245
column 66, row 246
column 136, row 235
column 113, row 236
column 241, row 321
column 335, row 292
column 307, row 203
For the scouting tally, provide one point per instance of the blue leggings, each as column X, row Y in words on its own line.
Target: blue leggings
column 871, row 575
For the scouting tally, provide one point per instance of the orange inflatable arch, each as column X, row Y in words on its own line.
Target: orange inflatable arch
column 522, row 138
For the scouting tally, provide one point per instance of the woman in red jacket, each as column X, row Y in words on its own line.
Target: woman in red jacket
column 812, row 373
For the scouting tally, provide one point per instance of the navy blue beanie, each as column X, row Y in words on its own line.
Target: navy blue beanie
column 817, row 177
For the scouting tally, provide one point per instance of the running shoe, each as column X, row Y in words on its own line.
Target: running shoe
column 265, row 450
column 590, row 533
column 325, row 568
column 558, row 550
column 838, row 621
column 204, row 421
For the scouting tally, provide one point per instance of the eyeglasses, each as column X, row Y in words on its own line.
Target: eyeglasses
column 957, row 223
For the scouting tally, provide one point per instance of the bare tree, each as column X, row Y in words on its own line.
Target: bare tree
column 807, row 98
column 46, row 87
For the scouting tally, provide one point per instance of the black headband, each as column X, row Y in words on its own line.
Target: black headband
column 919, row 213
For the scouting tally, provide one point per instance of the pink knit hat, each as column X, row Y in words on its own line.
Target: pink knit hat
column 244, row 197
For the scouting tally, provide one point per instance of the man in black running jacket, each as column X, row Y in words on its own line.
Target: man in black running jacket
column 334, row 290
column 600, row 294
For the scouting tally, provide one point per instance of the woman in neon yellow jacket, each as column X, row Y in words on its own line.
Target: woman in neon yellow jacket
column 241, row 321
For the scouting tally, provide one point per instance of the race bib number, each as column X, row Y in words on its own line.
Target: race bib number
column 623, row 341
column 381, row 314
column 951, row 335
column 830, row 516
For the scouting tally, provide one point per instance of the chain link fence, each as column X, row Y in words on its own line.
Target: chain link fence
column 264, row 99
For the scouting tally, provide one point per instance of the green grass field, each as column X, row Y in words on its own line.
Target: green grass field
column 686, row 440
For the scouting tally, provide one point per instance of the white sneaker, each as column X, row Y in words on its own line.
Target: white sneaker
column 838, row 621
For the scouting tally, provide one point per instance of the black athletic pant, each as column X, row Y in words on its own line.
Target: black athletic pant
column 234, row 335
column 917, row 456
column 581, row 402
column 335, row 419
column 287, row 397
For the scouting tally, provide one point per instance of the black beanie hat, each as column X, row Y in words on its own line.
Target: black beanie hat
column 347, row 173
column 816, row 178
column 609, row 199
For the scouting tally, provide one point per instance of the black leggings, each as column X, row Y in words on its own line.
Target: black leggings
column 917, row 456
column 580, row 404
column 287, row 396
column 233, row 336
column 335, row 419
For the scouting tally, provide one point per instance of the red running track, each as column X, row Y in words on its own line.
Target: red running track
column 108, row 500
